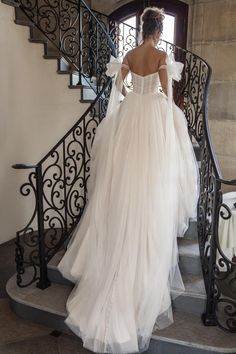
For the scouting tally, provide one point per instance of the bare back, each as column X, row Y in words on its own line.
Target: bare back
column 145, row 60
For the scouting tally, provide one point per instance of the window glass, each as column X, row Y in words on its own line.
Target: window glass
column 127, row 33
column 169, row 29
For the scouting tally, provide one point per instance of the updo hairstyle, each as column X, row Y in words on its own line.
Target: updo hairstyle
column 151, row 21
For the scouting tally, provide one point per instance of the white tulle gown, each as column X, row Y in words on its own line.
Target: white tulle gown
column 143, row 188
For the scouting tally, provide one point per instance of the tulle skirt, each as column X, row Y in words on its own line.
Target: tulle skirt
column 123, row 255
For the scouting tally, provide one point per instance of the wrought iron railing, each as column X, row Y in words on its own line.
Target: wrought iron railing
column 58, row 181
column 58, row 184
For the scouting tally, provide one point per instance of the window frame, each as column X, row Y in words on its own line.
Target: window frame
column 176, row 8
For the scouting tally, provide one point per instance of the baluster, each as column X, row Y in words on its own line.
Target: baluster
column 43, row 280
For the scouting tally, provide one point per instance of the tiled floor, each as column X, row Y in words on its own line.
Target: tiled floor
column 19, row 336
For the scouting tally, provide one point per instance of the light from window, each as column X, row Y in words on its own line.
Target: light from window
column 169, row 29
column 128, row 33
column 131, row 21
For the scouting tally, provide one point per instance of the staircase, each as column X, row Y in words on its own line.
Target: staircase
column 86, row 84
column 62, row 174
column 186, row 336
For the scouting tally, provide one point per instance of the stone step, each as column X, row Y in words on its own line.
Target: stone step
column 51, row 50
column 189, row 261
column 10, row 3
column 53, row 298
column 193, row 300
column 187, row 335
column 189, row 257
column 191, row 233
column 36, row 36
column 21, row 18
column 194, row 287
column 87, row 95
column 63, row 64
column 197, row 150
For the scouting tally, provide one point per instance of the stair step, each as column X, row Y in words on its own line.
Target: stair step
column 36, row 36
column 187, row 335
column 197, row 150
column 191, row 301
column 53, row 298
column 63, row 72
column 51, row 56
column 11, row 3
column 24, row 22
column 21, row 18
column 74, row 79
column 189, row 260
column 40, row 41
column 51, row 50
column 191, row 233
column 75, row 86
column 63, row 64
column 88, row 94
column 189, row 257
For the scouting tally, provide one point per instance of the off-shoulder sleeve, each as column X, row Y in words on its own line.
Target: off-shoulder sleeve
column 164, row 66
column 123, row 65
column 113, row 67
column 114, row 70
column 174, row 68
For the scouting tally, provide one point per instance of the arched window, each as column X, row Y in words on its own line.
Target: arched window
column 175, row 23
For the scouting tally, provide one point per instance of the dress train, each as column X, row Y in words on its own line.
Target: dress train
column 142, row 190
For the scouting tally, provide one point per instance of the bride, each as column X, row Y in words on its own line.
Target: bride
column 143, row 188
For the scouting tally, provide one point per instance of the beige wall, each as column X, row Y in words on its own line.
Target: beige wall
column 214, row 39
column 36, row 109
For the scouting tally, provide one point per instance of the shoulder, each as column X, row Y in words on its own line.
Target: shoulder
column 161, row 57
column 130, row 53
column 161, row 53
column 128, row 56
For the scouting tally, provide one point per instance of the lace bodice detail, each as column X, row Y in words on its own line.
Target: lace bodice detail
column 145, row 84
column 141, row 84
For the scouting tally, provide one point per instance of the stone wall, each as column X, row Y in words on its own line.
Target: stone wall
column 214, row 39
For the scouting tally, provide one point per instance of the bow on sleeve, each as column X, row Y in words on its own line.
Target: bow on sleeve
column 113, row 67
column 174, row 68
column 114, row 71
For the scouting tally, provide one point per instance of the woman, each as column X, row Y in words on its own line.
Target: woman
column 143, row 188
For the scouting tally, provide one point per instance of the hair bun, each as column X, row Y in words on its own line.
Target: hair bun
column 152, row 20
column 152, row 13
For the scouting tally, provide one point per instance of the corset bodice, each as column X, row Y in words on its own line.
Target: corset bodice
column 145, row 84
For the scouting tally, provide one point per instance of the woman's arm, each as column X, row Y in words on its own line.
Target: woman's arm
column 124, row 72
column 163, row 73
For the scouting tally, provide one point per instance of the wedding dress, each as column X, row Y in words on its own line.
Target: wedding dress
column 142, row 190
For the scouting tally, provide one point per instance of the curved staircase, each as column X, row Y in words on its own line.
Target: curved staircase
column 38, row 291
